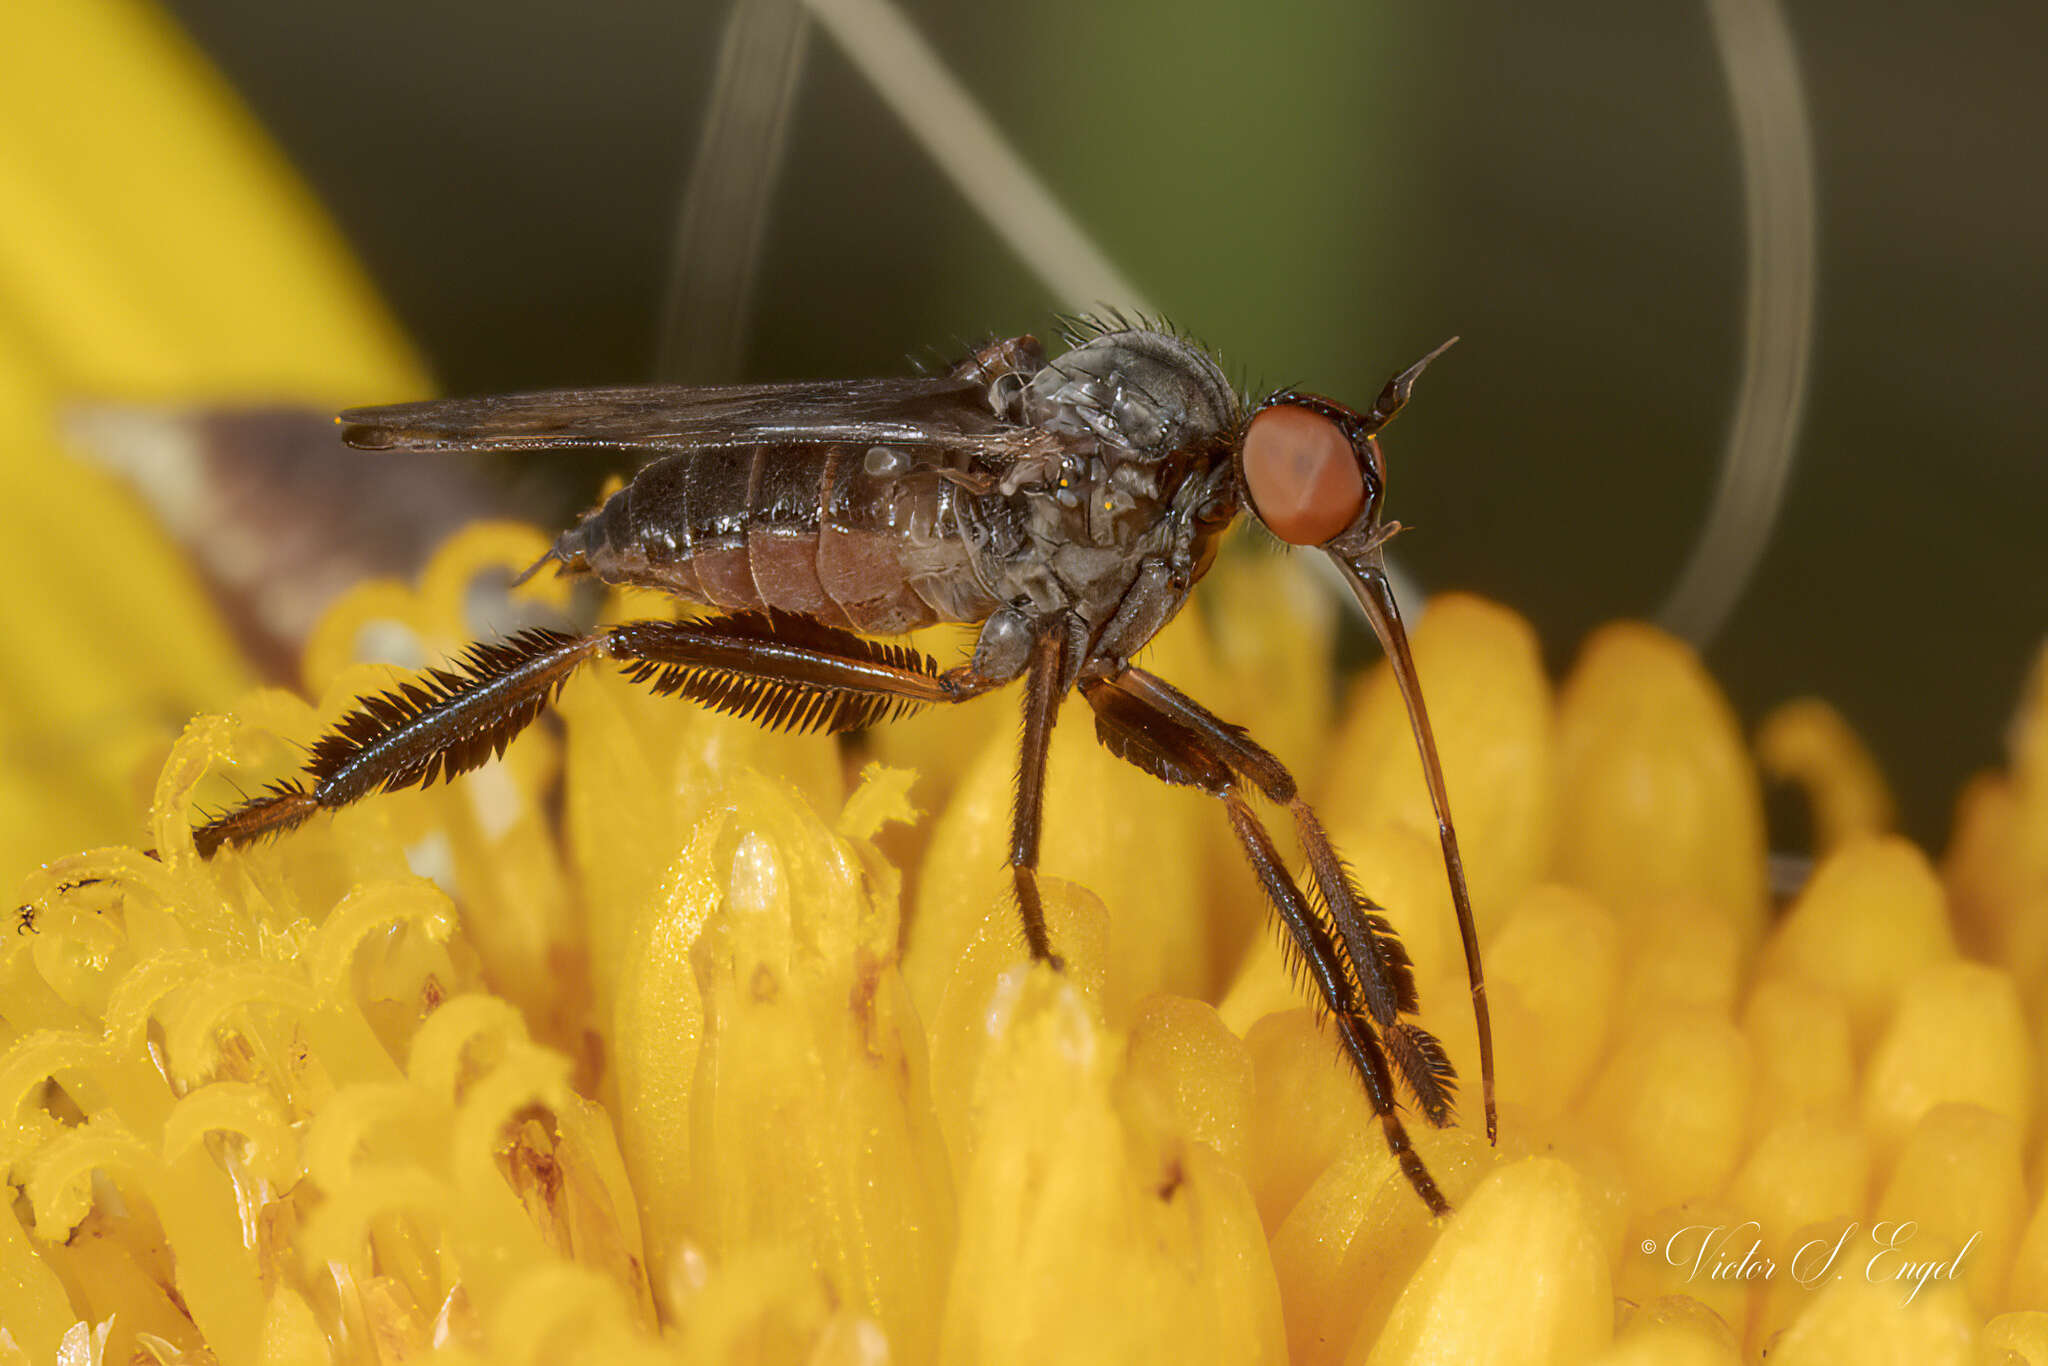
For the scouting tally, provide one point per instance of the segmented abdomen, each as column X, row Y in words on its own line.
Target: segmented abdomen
column 865, row 538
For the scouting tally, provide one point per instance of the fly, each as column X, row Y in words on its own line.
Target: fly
column 1065, row 507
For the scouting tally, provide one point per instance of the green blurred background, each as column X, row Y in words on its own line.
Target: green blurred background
column 1323, row 191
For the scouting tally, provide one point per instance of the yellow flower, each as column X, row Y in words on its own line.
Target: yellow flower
column 152, row 248
column 703, row 1047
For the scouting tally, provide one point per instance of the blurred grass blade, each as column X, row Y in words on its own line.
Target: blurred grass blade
column 974, row 155
column 724, row 214
column 1776, row 145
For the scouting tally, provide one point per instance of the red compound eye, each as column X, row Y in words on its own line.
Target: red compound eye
column 1301, row 473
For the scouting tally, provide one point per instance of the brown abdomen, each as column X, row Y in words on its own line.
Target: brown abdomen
column 832, row 533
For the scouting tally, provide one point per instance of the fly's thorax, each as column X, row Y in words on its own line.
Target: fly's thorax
column 1145, row 393
column 1085, row 548
column 1143, row 413
column 1147, row 420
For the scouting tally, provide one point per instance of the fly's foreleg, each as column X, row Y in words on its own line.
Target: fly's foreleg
column 1383, row 965
column 1379, row 1043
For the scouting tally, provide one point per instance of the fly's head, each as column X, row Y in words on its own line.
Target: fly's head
column 1312, row 472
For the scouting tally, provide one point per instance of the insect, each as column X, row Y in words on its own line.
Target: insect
column 1067, row 507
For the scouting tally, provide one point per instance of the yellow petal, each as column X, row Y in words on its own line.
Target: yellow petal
column 1193, row 1074
column 657, row 1033
column 1807, row 742
column 1958, row 1178
column 1685, row 949
column 2029, row 1281
column 1870, row 919
column 1799, row 1039
column 1958, row 1036
column 1674, row 1331
column 1305, row 1107
column 1489, row 705
column 1108, row 827
column 2024, row 1334
column 1078, row 1243
column 1804, row 1170
column 1552, row 974
column 1674, row 1101
column 813, row 1124
column 1872, row 1324
column 1519, row 1276
column 1656, row 794
column 1351, row 1243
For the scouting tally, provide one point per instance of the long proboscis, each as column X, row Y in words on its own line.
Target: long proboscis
column 1367, row 575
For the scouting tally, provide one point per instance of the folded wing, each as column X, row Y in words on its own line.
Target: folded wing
column 661, row 418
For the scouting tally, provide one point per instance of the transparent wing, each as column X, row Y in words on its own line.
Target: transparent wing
column 655, row 418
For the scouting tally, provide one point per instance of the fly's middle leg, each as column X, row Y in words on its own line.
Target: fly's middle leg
column 1055, row 653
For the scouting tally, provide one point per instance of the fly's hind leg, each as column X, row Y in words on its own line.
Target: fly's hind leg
column 777, row 671
column 1358, row 969
column 445, row 722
